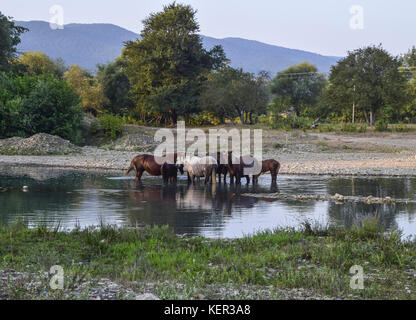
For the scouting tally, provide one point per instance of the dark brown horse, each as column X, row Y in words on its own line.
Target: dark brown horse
column 170, row 172
column 222, row 168
column 236, row 170
column 268, row 165
column 148, row 163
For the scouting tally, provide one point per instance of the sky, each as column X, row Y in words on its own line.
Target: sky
column 329, row 27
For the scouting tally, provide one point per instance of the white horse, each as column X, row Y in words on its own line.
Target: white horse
column 201, row 167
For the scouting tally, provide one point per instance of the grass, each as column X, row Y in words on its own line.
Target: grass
column 313, row 258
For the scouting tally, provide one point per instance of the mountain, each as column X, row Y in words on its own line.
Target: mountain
column 99, row 43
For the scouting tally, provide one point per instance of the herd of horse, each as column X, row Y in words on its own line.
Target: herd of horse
column 207, row 167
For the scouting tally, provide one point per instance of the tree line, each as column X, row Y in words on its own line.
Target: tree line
column 168, row 75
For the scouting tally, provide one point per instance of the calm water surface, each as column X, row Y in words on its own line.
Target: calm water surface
column 88, row 198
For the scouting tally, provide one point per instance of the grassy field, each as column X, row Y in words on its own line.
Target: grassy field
column 313, row 263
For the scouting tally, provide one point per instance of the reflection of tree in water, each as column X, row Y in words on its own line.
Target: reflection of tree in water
column 187, row 208
column 350, row 213
column 377, row 187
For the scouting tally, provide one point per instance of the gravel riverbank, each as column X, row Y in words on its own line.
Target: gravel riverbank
column 308, row 163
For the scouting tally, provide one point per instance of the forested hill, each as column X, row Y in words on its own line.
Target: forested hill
column 92, row 44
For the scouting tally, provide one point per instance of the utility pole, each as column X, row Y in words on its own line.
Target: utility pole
column 353, row 106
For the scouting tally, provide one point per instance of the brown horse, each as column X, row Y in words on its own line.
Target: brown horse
column 222, row 165
column 268, row 165
column 236, row 170
column 148, row 163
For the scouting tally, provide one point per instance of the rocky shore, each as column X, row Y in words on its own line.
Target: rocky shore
column 377, row 164
column 49, row 151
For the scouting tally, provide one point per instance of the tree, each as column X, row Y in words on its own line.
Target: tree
column 34, row 104
column 87, row 88
column 168, row 65
column 9, row 39
column 300, row 86
column 37, row 63
column 370, row 78
column 231, row 93
column 115, row 87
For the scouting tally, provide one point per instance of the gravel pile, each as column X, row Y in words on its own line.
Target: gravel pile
column 39, row 144
column 135, row 142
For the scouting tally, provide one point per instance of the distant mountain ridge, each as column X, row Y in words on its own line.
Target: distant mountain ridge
column 100, row 43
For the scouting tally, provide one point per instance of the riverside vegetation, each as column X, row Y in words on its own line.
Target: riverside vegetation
column 312, row 262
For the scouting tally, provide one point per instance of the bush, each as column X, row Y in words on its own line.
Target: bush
column 362, row 128
column 204, row 118
column 348, row 127
column 111, row 124
column 264, row 119
column 381, row 125
column 327, row 128
column 35, row 104
column 293, row 122
column 400, row 127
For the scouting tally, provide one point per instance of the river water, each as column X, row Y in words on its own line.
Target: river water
column 87, row 198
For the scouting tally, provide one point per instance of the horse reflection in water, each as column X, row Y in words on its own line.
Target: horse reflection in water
column 201, row 199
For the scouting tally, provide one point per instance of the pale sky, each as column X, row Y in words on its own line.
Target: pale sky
column 321, row 26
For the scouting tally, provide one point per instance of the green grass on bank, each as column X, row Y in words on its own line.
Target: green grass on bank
column 318, row 259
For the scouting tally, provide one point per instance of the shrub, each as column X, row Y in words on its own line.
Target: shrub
column 348, row 127
column 264, row 119
column 204, row 118
column 111, row 124
column 293, row 122
column 35, row 104
column 327, row 128
column 400, row 127
column 381, row 125
column 362, row 128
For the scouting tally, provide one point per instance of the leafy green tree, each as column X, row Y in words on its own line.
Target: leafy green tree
column 37, row 63
column 9, row 39
column 408, row 112
column 115, row 87
column 87, row 87
column 34, row 104
column 369, row 77
column 167, row 66
column 300, row 86
column 231, row 93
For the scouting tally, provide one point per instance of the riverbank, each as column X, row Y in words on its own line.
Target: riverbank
column 299, row 163
column 154, row 263
column 300, row 153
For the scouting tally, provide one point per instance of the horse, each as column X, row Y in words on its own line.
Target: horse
column 201, row 167
column 268, row 165
column 170, row 172
column 222, row 165
column 148, row 163
column 236, row 168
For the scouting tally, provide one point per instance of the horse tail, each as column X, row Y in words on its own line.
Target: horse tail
column 277, row 167
column 131, row 168
column 214, row 171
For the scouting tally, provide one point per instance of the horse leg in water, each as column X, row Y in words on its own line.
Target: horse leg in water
column 273, row 173
column 139, row 173
column 237, row 178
